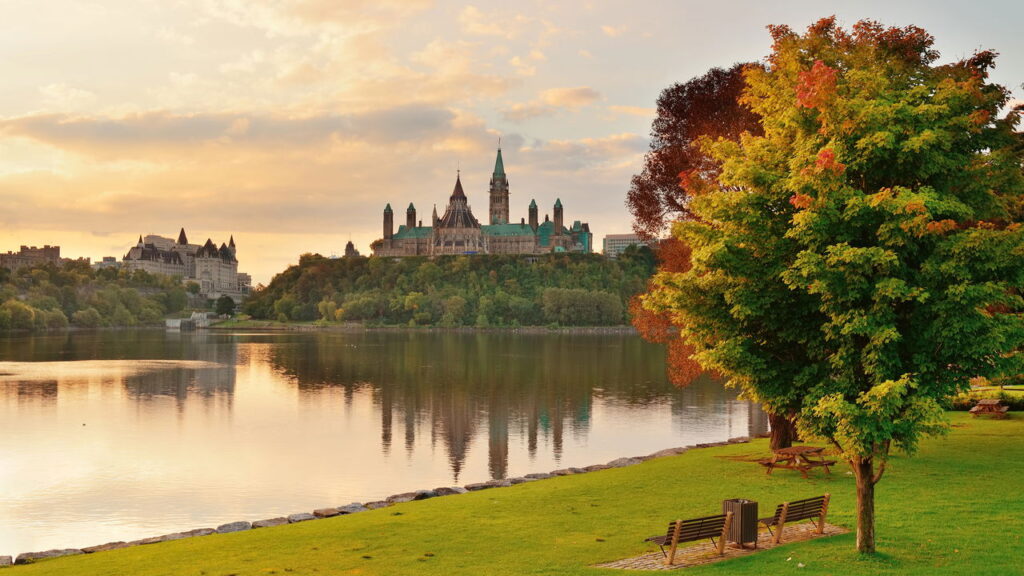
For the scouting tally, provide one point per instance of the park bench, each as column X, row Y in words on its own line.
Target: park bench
column 691, row 530
column 796, row 510
column 991, row 406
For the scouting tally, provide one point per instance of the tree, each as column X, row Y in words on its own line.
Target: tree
column 862, row 256
column 225, row 306
column 675, row 169
column 704, row 106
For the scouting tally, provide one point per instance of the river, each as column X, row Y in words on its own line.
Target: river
column 119, row 435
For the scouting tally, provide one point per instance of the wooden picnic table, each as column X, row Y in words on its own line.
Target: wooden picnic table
column 802, row 458
column 991, row 406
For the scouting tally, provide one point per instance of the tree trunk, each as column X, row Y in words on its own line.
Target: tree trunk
column 783, row 431
column 864, row 471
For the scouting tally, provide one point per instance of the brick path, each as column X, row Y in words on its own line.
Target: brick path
column 705, row 553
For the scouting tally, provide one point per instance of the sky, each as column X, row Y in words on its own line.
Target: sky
column 289, row 124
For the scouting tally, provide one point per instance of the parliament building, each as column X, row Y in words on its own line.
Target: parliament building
column 459, row 232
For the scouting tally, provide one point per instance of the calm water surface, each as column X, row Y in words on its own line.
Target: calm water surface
column 122, row 435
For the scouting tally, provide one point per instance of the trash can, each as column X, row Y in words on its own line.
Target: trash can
column 743, row 529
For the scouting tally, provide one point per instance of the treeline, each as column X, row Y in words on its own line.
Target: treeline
column 73, row 294
column 482, row 290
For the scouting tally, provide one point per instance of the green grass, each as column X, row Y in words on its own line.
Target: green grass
column 955, row 508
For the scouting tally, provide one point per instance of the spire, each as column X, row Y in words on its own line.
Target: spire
column 182, row 239
column 499, row 166
column 231, row 242
column 458, row 193
column 533, row 203
column 387, row 209
column 558, row 202
column 411, row 208
column 140, row 239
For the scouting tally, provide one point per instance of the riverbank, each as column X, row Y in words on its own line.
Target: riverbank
column 275, row 326
column 567, row 524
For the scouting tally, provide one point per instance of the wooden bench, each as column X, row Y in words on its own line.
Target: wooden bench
column 794, row 511
column 691, row 530
column 991, row 406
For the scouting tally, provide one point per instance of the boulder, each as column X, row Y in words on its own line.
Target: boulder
column 450, row 490
column 377, row 504
column 30, row 557
column 353, row 508
column 234, row 527
column 564, row 472
column 144, row 541
column 739, row 440
column 5, row 561
column 325, row 512
column 400, row 498
column 102, row 547
column 596, row 467
column 269, row 522
column 667, row 452
column 479, row 486
column 424, row 494
column 518, row 480
column 623, row 462
column 500, row 483
column 300, row 517
column 200, row 532
column 539, row 476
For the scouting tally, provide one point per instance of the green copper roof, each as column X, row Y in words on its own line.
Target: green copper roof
column 558, row 203
column 507, row 230
column 499, row 166
column 414, row 232
column 411, row 208
column 533, row 203
column 387, row 208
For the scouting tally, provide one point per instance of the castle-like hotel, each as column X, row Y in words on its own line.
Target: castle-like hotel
column 459, row 232
column 214, row 268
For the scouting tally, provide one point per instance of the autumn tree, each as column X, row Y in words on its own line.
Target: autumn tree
column 870, row 238
column 707, row 105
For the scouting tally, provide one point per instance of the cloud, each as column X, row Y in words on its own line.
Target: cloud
column 135, row 135
column 634, row 110
column 613, row 32
column 551, row 102
column 64, row 98
column 615, row 151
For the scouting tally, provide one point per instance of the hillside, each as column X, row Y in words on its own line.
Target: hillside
column 482, row 290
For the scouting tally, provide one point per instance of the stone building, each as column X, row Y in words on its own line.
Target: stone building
column 32, row 256
column 214, row 268
column 459, row 232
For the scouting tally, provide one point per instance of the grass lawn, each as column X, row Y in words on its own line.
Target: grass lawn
column 955, row 508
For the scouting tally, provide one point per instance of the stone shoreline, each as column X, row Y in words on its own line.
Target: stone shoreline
column 356, row 507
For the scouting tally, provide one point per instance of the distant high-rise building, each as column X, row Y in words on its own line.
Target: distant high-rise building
column 615, row 244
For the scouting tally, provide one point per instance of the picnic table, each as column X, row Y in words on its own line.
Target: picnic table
column 802, row 458
column 991, row 406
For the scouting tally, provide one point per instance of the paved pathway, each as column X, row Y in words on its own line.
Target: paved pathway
column 705, row 553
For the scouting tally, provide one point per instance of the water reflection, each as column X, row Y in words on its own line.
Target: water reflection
column 141, row 433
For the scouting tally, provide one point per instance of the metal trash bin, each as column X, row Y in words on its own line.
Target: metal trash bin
column 743, row 529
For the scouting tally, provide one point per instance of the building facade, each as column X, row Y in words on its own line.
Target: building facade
column 213, row 268
column 457, row 231
column 615, row 244
column 33, row 256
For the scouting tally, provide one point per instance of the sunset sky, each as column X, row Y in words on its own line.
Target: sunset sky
column 290, row 124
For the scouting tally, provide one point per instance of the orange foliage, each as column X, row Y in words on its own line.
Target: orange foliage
column 674, row 256
column 816, row 86
column 801, row 201
column 941, row 226
column 827, row 161
column 682, row 368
